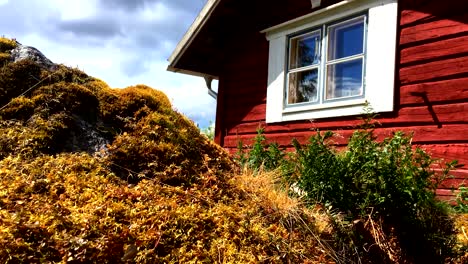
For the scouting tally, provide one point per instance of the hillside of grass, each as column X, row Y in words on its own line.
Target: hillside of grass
column 93, row 174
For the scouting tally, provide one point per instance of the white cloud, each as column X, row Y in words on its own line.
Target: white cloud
column 73, row 9
column 121, row 42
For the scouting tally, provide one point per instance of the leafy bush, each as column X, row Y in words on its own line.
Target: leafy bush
column 261, row 154
column 320, row 170
column 386, row 182
column 209, row 131
column 386, row 177
column 461, row 199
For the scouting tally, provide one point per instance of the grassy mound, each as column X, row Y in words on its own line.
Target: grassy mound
column 71, row 207
column 93, row 174
column 69, row 111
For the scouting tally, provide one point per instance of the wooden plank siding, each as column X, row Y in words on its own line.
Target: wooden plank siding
column 431, row 88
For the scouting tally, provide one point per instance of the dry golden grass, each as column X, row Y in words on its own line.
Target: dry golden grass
column 461, row 225
column 4, row 58
column 70, row 207
column 267, row 189
column 306, row 224
column 74, row 207
column 7, row 44
column 271, row 191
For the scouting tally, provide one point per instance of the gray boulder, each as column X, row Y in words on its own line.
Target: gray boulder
column 22, row 52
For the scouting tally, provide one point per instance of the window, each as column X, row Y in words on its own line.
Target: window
column 331, row 62
column 342, row 65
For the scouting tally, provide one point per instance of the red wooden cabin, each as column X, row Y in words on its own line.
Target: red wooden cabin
column 299, row 65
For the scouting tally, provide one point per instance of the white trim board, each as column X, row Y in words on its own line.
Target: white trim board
column 324, row 15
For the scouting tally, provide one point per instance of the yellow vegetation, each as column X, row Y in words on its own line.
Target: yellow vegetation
column 461, row 224
column 7, row 44
column 15, row 78
column 158, row 192
column 71, row 207
column 4, row 58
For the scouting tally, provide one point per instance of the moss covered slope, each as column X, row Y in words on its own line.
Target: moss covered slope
column 92, row 174
column 69, row 111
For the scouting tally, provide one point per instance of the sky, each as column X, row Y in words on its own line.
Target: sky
column 122, row 42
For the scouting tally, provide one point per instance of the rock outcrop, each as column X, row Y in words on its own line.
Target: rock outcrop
column 22, row 52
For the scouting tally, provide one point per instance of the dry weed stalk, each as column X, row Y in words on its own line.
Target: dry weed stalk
column 269, row 191
column 385, row 245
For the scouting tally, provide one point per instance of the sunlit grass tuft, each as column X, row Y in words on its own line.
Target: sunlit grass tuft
column 7, row 44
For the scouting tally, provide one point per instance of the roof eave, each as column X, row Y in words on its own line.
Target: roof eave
column 194, row 73
column 190, row 35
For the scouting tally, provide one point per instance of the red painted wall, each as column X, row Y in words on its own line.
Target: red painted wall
column 431, row 87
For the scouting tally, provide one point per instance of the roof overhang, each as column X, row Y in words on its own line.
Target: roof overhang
column 188, row 38
column 201, row 51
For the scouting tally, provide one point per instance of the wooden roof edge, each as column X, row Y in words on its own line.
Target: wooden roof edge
column 189, row 72
column 191, row 33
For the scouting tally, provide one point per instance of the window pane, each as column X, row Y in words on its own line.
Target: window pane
column 346, row 39
column 303, row 86
column 344, row 79
column 305, row 50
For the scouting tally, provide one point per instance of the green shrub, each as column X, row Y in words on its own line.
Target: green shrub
column 209, row 131
column 389, row 181
column 461, row 199
column 320, row 170
column 261, row 154
column 383, row 176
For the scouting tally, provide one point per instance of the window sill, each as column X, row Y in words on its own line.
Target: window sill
column 326, row 106
column 338, row 111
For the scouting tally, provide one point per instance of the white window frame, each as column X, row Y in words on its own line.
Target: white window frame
column 379, row 65
column 315, row 66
